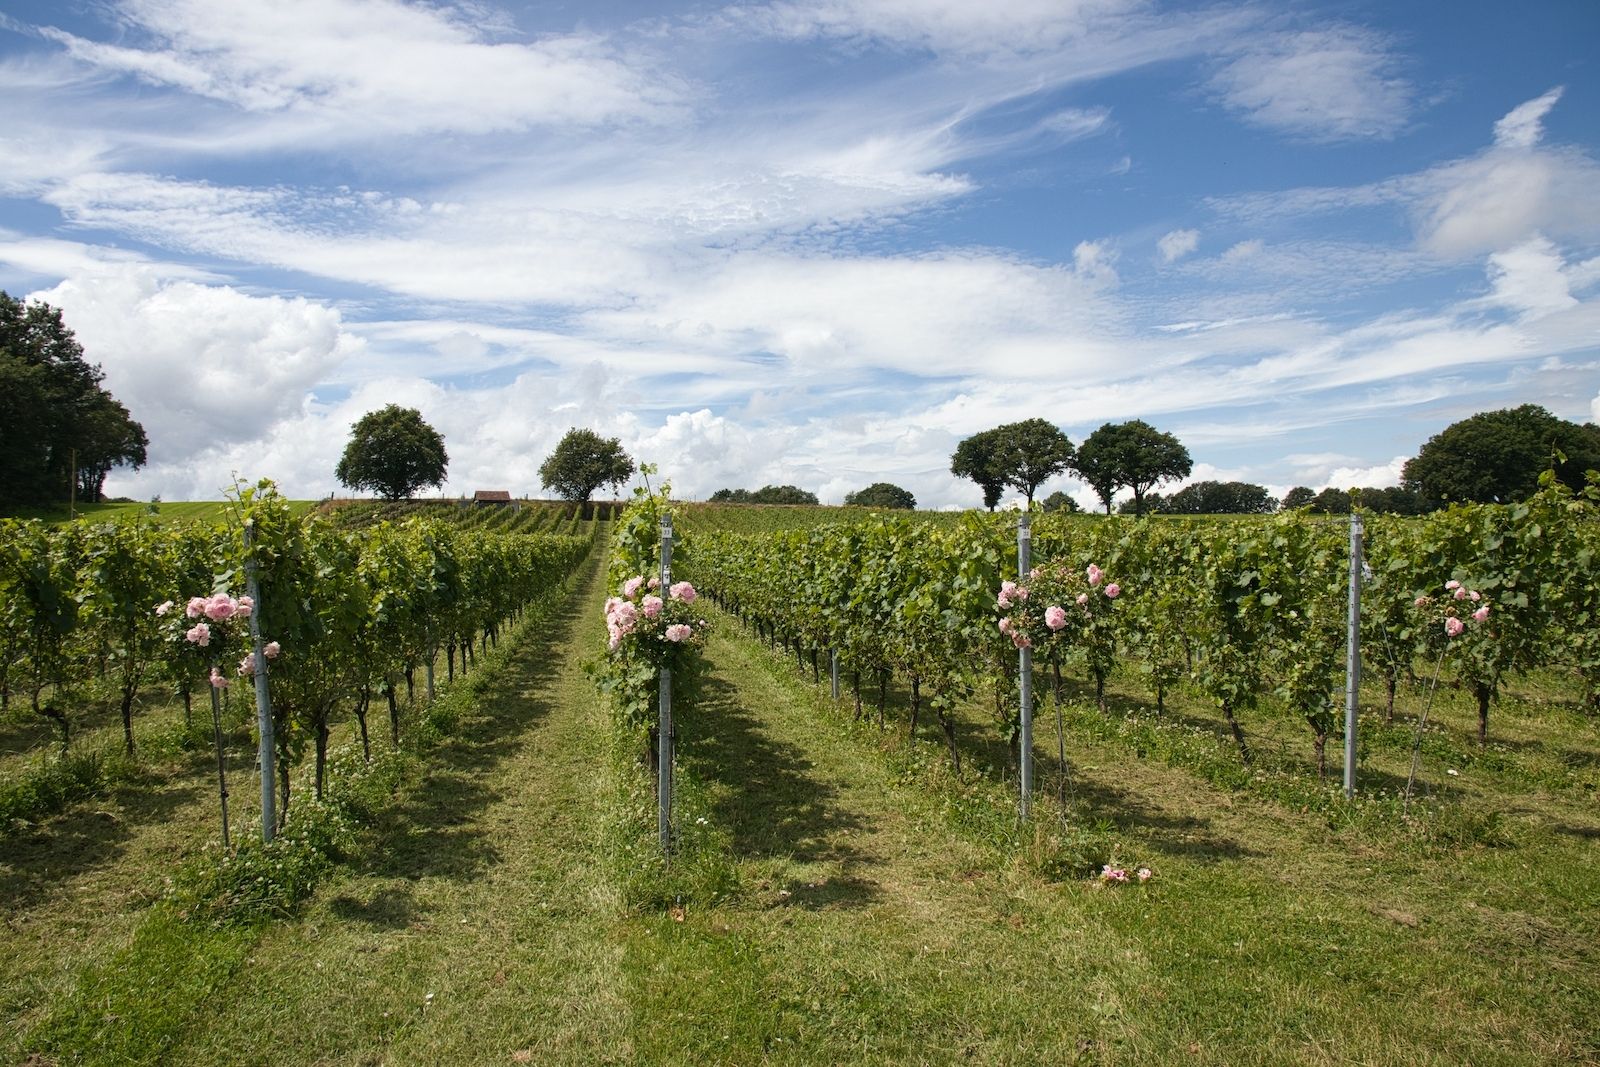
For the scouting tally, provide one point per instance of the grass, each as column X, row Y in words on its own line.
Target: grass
column 180, row 511
column 873, row 912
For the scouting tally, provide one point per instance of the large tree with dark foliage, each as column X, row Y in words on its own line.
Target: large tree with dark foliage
column 60, row 431
column 1023, row 455
column 1220, row 498
column 1130, row 455
column 767, row 494
column 394, row 452
column 885, row 495
column 1497, row 456
column 584, row 461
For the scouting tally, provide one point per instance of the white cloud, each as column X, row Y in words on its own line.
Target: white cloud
column 1331, row 84
column 199, row 365
column 1523, row 126
column 1531, row 279
column 377, row 67
column 1176, row 244
column 1018, row 26
column 1377, row 476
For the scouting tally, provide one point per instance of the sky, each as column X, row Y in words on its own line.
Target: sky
column 808, row 242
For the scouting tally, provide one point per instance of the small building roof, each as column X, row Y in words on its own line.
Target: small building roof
column 494, row 495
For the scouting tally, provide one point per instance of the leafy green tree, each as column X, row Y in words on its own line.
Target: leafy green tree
column 1391, row 500
column 1330, row 501
column 882, row 495
column 1131, row 455
column 1298, row 497
column 978, row 458
column 1219, row 498
column 731, row 496
column 59, row 428
column 1023, row 455
column 584, row 461
column 1059, row 501
column 783, row 494
column 394, row 452
column 1497, row 456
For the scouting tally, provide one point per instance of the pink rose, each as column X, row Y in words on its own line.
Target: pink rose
column 248, row 664
column 199, row 635
column 1113, row 590
column 1033, row 575
column 1109, row 873
column 220, row 607
column 1421, row 602
column 272, row 649
column 653, row 583
column 1003, row 601
column 1005, row 626
column 651, row 606
column 1095, row 574
column 243, row 607
column 1481, row 614
column 631, row 586
column 1145, row 874
column 1460, row 593
column 196, row 607
column 164, row 607
column 217, row 679
column 1452, row 584
column 1020, row 639
column 683, row 591
column 1475, row 595
column 1083, row 599
column 678, row 632
column 1453, row 626
column 1055, row 617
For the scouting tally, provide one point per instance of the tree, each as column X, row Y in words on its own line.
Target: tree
column 60, row 430
column 1220, row 498
column 977, row 458
column 394, row 452
column 1330, row 501
column 1132, row 455
column 584, row 461
column 1497, row 456
column 783, row 494
column 1059, row 501
column 1391, row 500
column 1298, row 497
column 1023, row 455
column 882, row 495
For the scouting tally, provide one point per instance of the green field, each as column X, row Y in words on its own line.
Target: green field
column 863, row 904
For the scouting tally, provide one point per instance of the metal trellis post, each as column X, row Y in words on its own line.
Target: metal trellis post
column 664, row 726
column 1025, row 743
column 1352, row 690
column 269, row 785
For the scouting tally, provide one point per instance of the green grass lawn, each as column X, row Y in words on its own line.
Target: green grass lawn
column 175, row 511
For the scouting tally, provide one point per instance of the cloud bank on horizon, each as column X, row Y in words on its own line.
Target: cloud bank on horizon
column 807, row 241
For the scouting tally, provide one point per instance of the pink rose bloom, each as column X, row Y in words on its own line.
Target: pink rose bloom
column 1021, row 593
column 217, row 679
column 1109, row 873
column 1460, row 594
column 1003, row 600
column 653, row 583
column 1095, row 574
column 678, row 632
column 1007, row 591
column 199, row 635
column 1020, row 639
column 1005, row 626
column 1055, row 617
column 220, row 607
column 1475, row 595
column 651, row 606
column 631, row 586
column 1113, row 590
column 616, row 639
column 164, row 607
column 1453, row 626
column 1452, row 584
column 1421, row 601
column 1083, row 599
column 196, row 607
column 683, row 591
column 243, row 607
column 272, row 649
column 248, row 664
column 611, row 605
column 1481, row 614
column 1033, row 575
column 1145, row 874
column 625, row 617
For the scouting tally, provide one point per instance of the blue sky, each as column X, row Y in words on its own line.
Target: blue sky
column 807, row 241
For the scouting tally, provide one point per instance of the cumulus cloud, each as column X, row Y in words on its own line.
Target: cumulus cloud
column 1331, row 84
column 1176, row 244
column 201, row 364
column 1531, row 279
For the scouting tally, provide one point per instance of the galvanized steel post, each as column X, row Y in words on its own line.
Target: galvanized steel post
column 1025, row 742
column 664, row 725
column 1352, row 685
column 268, row 758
